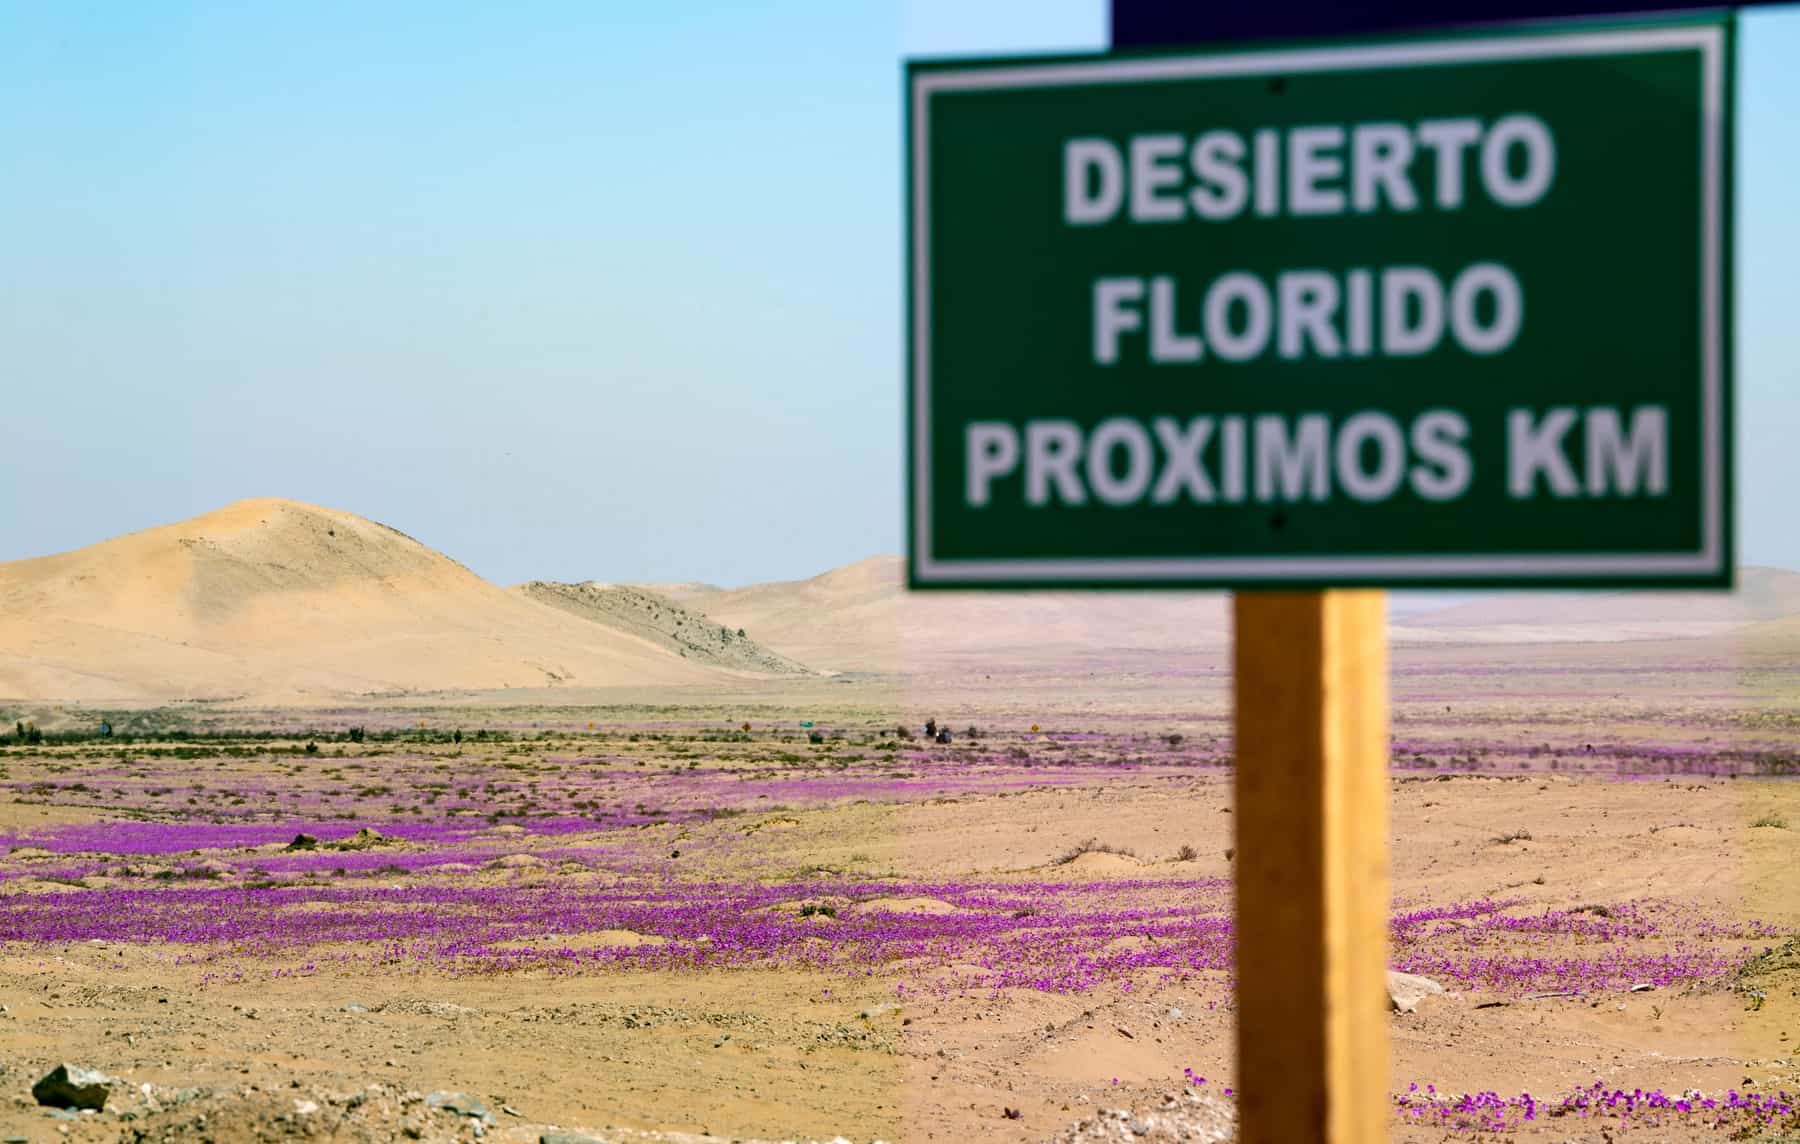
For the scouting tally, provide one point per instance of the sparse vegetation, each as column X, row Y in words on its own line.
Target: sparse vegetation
column 1092, row 846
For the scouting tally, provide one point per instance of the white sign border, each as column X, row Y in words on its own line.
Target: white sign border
column 1708, row 39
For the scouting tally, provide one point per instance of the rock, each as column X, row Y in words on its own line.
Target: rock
column 353, row 1007
column 460, row 1104
column 880, row 1010
column 1406, row 990
column 568, row 1138
column 303, row 842
column 1642, row 987
column 70, row 1086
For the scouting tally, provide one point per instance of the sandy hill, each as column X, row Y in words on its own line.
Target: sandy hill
column 660, row 620
column 275, row 600
column 861, row 618
column 1763, row 596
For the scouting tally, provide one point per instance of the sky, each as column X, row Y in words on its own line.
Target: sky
column 565, row 290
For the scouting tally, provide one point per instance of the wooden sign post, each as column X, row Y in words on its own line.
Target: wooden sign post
column 1312, row 880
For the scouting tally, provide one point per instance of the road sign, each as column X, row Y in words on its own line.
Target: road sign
column 1433, row 311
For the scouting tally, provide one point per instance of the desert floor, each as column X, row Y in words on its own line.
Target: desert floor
column 625, row 914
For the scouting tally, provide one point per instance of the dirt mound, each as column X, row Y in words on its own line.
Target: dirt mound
column 661, row 621
column 1101, row 862
column 274, row 600
column 934, row 906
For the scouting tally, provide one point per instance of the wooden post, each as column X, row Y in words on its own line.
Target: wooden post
column 1312, row 878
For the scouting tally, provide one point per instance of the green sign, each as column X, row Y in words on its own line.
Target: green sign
column 1446, row 311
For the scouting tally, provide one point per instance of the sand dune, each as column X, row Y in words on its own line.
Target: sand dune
column 274, row 600
column 1763, row 596
column 861, row 618
column 662, row 621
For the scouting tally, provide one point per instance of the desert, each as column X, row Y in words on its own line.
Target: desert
column 310, row 832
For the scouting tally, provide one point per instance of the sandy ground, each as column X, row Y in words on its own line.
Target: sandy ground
column 560, row 878
column 345, row 1039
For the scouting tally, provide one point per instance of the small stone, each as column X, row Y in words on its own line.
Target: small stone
column 1174, row 1014
column 353, row 1007
column 460, row 1104
column 305, row 1107
column 70, row 1086
column 883, row 1009
column 567, row 1138
column 1642, row 987
column 1406, row 990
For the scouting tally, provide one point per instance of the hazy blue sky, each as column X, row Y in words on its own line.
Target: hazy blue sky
column 567, row 290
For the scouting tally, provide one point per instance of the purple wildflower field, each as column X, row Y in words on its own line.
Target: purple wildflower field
column 193, row 857
column 691, row 849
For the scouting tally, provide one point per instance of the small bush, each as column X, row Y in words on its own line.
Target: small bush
column 1771, row 820
column 1186, row 854
column 810, row 910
